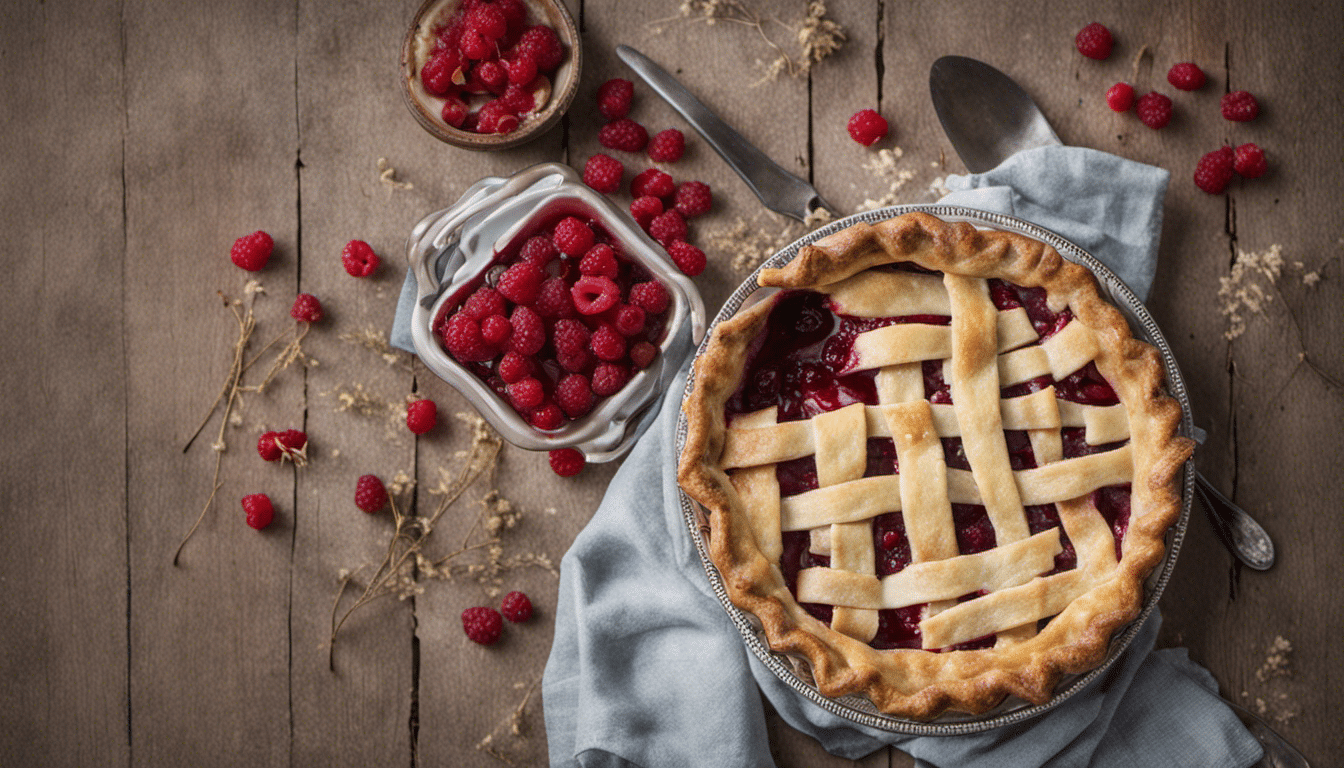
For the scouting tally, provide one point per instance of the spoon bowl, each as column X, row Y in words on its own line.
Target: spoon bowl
column 986, row 115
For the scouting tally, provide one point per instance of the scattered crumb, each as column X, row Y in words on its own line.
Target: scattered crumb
column 1242, row 291
column 1276, row 661
column 751, row 243
column 376, row 341
column 884, row 166
column 816, row 36
column 387, row 176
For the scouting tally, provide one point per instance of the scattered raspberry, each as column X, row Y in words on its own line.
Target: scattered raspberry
column 293, row 443
column 608, row 378
column 652, row 182
column 629, row 319
column 607, row 343
column 268, row 446
column 643, row 209
column 574, row 395
column 623, row 134
column 651, row 297
column 521, row 282
column 867, row 127
column 516, row 607
column 462, row 338
column 484, row 302
column 539, row 250
column 600, row 260
column 1120, row 97
column 667, row 227
column 513, row 367
column 496, row 329
column 543, row 45
column 1094, row 41
column 526, row 394
column 603, row 173
column 547, row 416
column 567, row 462
column 370, row 494
column 642, row 353
column 689, row 259
column 251, row 252
column 693, row 199
column 1250, row 161
column 1186, row 76
column 667, row 146
column 529, row 331
column 359, row 259
column 1240, row 106
column 421, row 416
column 1214, row 171
column 306, row 308
column 258, row 509
column 554, row 300
column 483, row 625
column 614, row 98
column 593, row 295
column 1154, row 110
column 572, row 236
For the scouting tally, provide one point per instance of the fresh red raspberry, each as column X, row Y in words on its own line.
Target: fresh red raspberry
column 1240, row 106
column 513, row 367
column 600, row 260
column 569, row 336
column 667, row 146
column 553, row 300
column 515, row 12
column 518, row 99
column 608, row 378
column 1186, row 76
column 437, row 73
column 603, row 173
column 651, row 297
column 488, row 20
column 496, row 329
column 463, row 340
column 492, row 74
column 623, row 134
column 594, row 295
column 370, row 494
column 642, row 353
column 529, row 331
column 484, row 302
column 293, row 443
column 538, row 249
column 306, row 308
column 572, row 236
column 629, row 319
column 867, row 127
column 526, row 394
column 614, row 98
column 689, row 259
column 359, row 259
column 566, row 462
column 575, row 362
column 1120, row 97
column 454, row 112
column 543, row 45
column 574, row 395
column 475, row 46
column 654, row 183
column 495, row 117
column 258, row 509
column 1094, row 41
column 522, row 69
column 516, row 607
column 1154, row 110
column 268, row 446
column 483, row 625
column 1250, row 161
column 546, row 416
column 607, row 343
column 251, row 252
column 643, row 209
column 693, row 199
column 421, row 416
column 667, row 227
column 1214, row 171
column 521, row 282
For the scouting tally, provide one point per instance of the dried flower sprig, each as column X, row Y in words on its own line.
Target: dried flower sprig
column 816, row 36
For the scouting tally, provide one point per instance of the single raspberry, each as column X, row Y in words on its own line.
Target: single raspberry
column 575, row 362
column 593, row 295
column 538, row 249
column 1186, row 76
column 492, row 74
column 421, row 416
column 569, row 336
column 251, row 252
column 629, row 319
column 1240, row 106
column 475, row 46
column 529, row 331
column 608, row 378
column 572, row 236
column 651, row 297
column 1154, row 110
column 293, row 442
column 667, row 227
column 643, row 209
column 526, row 394
column 370, row 493
column 607, row 343
column 484, row 302
column 1214, row 171
column 553, row 300
column 522, row 69
column 600, row 260
column 513, row 367
column 518, row 99
column 496, row 330
column 516, row 607
column 1250, row 161
column 603, row 173
column 521, row 282
column 867, row 127
column 574, row 395
column 258, row 509
column 306, row 308
column 546, row 416
column 268, row 446
column 652, row 182
column 437, row 73
column 488, row 20
column 1094, row 41
column 689, row 259
column 483, row 625
column 623, row 134
column 1120, row 97
column 642, row 353
column 566, row 462
column 515, row 12
column 543, row 45
column 359, row 259
column 667, row 146
column 614, row 98
column 693, row 199
column 495, row 117
column 455, row 112
column 463, row 340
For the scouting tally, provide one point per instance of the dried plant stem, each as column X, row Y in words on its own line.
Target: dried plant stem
column 514, row 721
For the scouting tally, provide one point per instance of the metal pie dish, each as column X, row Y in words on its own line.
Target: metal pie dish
column 453, row 251
column 793, row 671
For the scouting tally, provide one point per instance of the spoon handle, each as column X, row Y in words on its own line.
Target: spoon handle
column 1242, row 535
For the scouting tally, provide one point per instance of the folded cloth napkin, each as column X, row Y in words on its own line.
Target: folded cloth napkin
column 646, row 668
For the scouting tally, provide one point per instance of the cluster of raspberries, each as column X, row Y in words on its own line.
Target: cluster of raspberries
column 487, row 50
column 1215, row 169
column 485, row 625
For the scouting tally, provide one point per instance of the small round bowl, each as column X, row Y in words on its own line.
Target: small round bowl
column 426, row 108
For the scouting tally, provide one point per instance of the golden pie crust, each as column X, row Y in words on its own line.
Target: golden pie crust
column 1086, row 606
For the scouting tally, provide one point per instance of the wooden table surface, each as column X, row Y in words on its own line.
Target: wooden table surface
column 142, row 138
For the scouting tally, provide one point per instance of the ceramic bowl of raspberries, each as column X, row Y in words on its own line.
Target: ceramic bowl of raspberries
column 551, row 311
column 490, row 74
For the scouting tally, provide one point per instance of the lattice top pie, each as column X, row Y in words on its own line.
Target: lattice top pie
column 936, row 464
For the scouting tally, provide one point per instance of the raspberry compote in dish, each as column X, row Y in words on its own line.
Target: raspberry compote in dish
column 936, row 464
